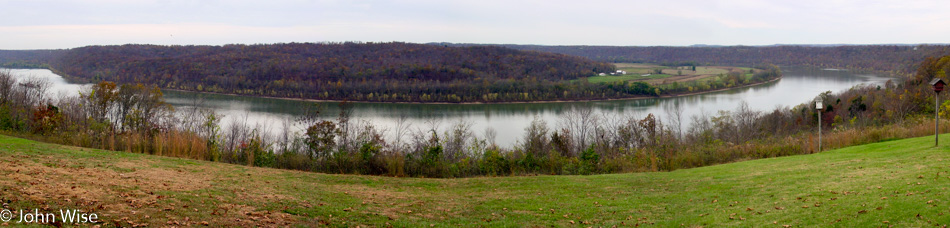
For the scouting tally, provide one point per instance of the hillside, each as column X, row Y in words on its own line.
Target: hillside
column 893, row 59
column 28, row 58
column 901, row 183
column 384, row 72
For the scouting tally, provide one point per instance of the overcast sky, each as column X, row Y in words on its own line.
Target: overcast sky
column 46, row 24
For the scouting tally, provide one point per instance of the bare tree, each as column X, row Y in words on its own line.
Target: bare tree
column 536, row 138
column 34, row 91
column 459, row 135
column 344, row 126
column 490, row 135
column 237, row 132
column 402, row 130
column 745, row 119
column 701, row 128
column 629, row 133
column 286, row 135
column 579, row 122
column 311, row 115
column 674, row 113
column 726, row 129
column 7, row 83
column 607, row 133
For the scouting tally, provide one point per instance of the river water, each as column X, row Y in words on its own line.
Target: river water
column 508, row 121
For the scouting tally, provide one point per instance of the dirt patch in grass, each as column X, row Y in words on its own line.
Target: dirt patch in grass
column 130, row 192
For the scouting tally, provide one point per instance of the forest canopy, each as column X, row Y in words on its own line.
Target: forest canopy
column 394, row 71
column 892, row 59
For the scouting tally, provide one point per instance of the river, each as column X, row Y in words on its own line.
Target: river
column 508, row 121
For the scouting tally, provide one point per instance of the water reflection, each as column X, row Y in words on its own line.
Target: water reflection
column 509, row 120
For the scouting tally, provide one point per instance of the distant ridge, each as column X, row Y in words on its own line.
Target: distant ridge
column 693, row 45
column 895, row 58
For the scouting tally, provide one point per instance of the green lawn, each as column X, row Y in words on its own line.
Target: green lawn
column 628, row 77
column 901, row 183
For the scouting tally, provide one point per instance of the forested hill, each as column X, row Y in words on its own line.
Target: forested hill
column 395, row 71
column 895, row 59
column 28, row 58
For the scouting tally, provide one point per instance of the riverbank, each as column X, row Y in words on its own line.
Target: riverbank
column 509, row 102
column 895, row 183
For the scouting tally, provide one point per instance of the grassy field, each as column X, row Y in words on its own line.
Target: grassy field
column 627, row 77
column 635, row 70
column 900, row 183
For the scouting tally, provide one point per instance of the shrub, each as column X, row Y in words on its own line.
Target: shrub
column 494, row 164
column 369, row 159
column 590, row 158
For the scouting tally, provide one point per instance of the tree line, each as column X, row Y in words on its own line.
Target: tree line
column 891, row 59
column 28, row 59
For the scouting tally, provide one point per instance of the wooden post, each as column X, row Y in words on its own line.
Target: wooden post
column 938, row 85
column 818, row 107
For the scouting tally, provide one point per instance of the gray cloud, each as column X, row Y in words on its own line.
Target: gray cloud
column 66, row 24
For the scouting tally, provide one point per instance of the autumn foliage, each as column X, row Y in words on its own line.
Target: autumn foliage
column 395, row 71
column 891, row 59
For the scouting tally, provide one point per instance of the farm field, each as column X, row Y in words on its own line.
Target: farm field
column 661, row 75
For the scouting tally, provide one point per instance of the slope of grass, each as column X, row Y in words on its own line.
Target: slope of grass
column 901, row 183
